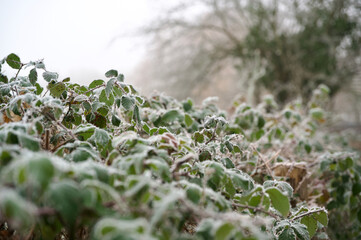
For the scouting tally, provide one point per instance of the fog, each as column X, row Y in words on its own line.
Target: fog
column 80, row 39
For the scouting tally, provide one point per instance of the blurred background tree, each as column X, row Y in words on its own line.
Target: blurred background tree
column 253, row 47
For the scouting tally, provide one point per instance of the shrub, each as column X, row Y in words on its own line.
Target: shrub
column 103, row 162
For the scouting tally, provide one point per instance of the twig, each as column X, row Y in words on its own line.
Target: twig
column 47, row 90
column 61, row 144
column 30, row 234
column 264, row 161
column 47, row 139
column 21, row 66
column 175, row 167
column 213, row 134
column 121, row 88
column 47, row 115
column 90, row 90
column 307, row 213
column 257, row 209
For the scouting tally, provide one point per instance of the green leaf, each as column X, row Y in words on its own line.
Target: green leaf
column 111, row 73
column 171, row 116
column 66, row 198
column 194, row 194
column 311, row 223
column 317, row 113
column 97, row 119
column 188, row 120
column 41, row 170
column 96, row 83
column 29, row 142
column 224, row 231
column 136, row 114
column 66, row 80
column 198, row 137
column 48, row 76
column 321, row 217
column 261, row 122
column 279, row 201
column 14, row 61
column 115, row 120
column 39, row 89
column 57, row 89
column 101, row 136
column 39, row 127
column 33, row 76
column 120, row 78
column 109, row 87
column 3, row 78
column 287, row 234
column 127, row 102
column 205, row 155
column 16, row 210
column 301, row 231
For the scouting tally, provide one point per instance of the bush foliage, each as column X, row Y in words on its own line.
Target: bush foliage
column 103, row 162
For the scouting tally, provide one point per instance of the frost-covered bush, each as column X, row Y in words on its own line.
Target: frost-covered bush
column 103, row 162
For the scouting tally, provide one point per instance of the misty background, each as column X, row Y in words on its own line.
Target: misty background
column 227, row 48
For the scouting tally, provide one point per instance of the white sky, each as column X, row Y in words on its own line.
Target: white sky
column 74, row 36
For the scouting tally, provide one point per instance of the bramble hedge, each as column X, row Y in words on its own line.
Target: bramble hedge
column 103, row 162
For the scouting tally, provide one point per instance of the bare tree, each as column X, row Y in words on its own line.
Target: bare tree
column 286, row 47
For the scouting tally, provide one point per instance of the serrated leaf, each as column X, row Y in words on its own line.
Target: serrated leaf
column 321, row 217
column 29, row 142
column 301, row 231
column 57, row 89
column 33, row 76
column 279, row 201
column 127, row 102
column 96, row 83
column 48, row 76
column 287, row 234
column 171, row 116
column 111, row 73
column 310, row 223
column 13, row 61
column 109, row 87
column 101, row 136
column 115, row 120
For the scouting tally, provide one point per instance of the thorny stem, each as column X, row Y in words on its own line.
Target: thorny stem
column 257, row 209
column 307, row 213
column 90, row 90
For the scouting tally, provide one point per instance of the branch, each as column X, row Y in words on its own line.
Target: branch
column 175, row 167
column 90, row 90
column 213, row 135
column 257, row 209
column 308, row 213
